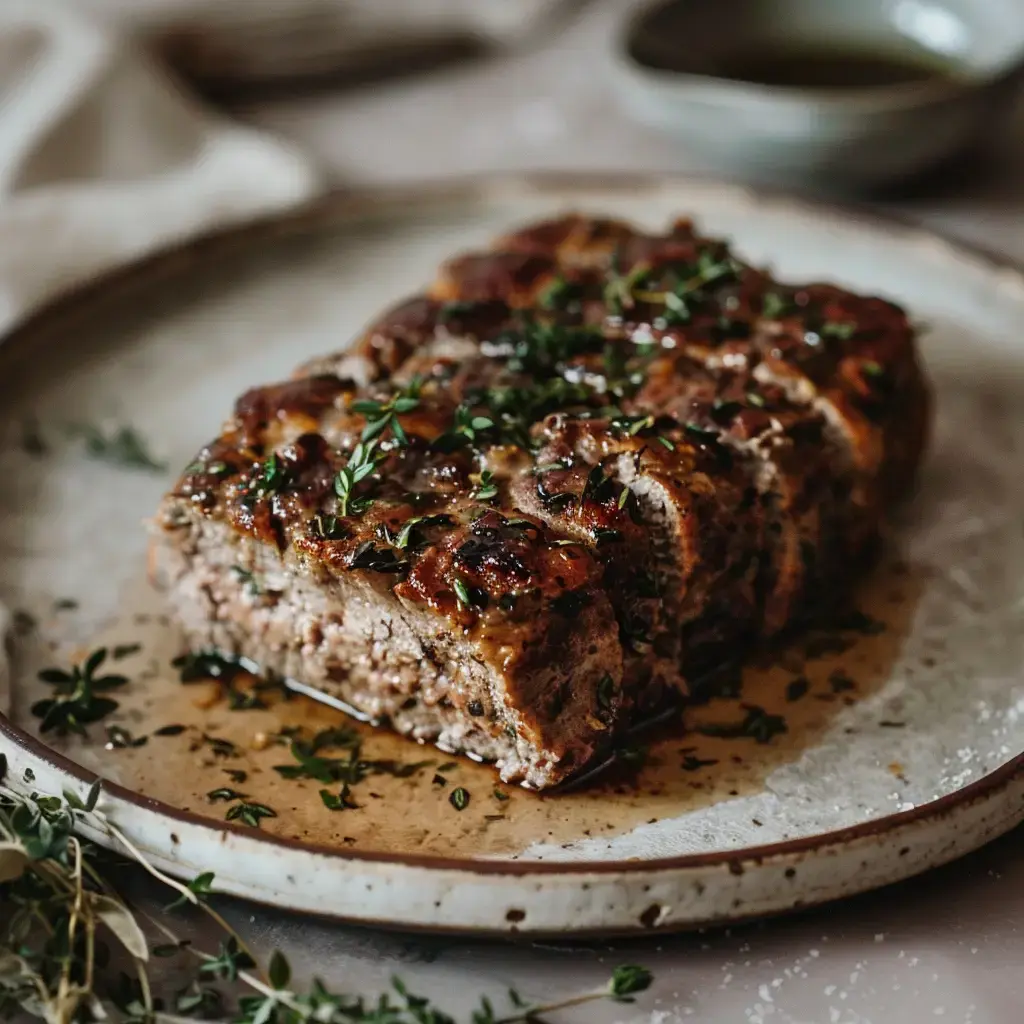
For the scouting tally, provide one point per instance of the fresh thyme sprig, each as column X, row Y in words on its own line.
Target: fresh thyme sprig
column 60, row 913
column 76, row 702
column 465, row 429
column 362, row 463
column 381, row 415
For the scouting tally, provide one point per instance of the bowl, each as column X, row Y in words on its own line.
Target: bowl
column 680, row 66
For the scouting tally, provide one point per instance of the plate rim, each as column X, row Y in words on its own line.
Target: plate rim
column 337, row 204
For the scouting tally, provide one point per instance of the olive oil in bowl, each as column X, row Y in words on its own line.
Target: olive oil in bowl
column 830, row 67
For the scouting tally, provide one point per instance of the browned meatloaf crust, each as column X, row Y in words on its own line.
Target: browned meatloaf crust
column 528, row 504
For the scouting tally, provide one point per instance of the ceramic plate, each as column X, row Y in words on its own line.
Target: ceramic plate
column 903, row 729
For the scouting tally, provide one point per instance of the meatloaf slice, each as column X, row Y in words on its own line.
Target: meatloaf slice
column 527, row 506
column 452, row 619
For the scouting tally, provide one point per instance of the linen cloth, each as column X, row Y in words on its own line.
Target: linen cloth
column 103, row 158
column 239, row 42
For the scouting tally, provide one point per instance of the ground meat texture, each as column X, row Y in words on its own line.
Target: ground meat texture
column 534, row 503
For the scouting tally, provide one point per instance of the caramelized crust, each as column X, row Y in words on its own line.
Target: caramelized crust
column 523, row 508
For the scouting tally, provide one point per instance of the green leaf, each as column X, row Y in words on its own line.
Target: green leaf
column 224, row 793
column 338, row 801
column 461, row 592
column 627, row 980
column 459, row 798
column 94, row 661
column 200, row 887
column 279, row 972
column 55, row 675
column 250, row 814
column 93, row 796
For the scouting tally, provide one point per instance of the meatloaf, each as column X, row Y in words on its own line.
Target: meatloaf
column 536, row 502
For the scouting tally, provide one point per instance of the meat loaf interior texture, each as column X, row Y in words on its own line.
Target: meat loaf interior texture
column 527, row 506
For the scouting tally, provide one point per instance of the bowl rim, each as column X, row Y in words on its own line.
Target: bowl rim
column 882, row 97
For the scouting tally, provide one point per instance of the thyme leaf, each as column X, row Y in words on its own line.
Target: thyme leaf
column 76, row 702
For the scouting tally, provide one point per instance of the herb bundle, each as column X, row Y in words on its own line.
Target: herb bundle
column 74, row 951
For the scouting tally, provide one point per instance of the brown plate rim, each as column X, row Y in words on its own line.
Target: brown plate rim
column 336, row 203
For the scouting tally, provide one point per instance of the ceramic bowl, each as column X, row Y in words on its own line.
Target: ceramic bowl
column 845, row 138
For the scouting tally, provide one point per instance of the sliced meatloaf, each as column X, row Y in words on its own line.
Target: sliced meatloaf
column 530, row 505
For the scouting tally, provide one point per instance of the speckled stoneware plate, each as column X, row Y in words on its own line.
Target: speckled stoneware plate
column 903, row 731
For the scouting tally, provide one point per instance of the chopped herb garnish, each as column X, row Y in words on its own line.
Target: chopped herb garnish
column 125, row 447
column 838, row 330
column 774, row 306
column 383, row 560
column 272, row 479
column 119, row 738
column 451, row 310
column 341, row 801
column 219, row 746
column 461, row 592
column 250, row 814
column 459, row 798
column 700, row 434
column 692, row 763
column 125, row 651
column 543, row 349
column 627, row 980
column 311, row 762
column 199, row 666
column 797, row 688
column 630, row 426
column 236, row 774
column 605, row 691
column 169, row 730
column 500, row 795
column 76, row 703
column 758, row 725
column 559, row 294
column 224, row 793
column 599, row 488
column 408, row 535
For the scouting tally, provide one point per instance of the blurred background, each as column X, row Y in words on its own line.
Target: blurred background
column 918, row 98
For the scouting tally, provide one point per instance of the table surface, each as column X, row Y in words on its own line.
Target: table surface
column 946, row 946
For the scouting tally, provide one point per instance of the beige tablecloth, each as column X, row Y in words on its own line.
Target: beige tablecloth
column 103, row 159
